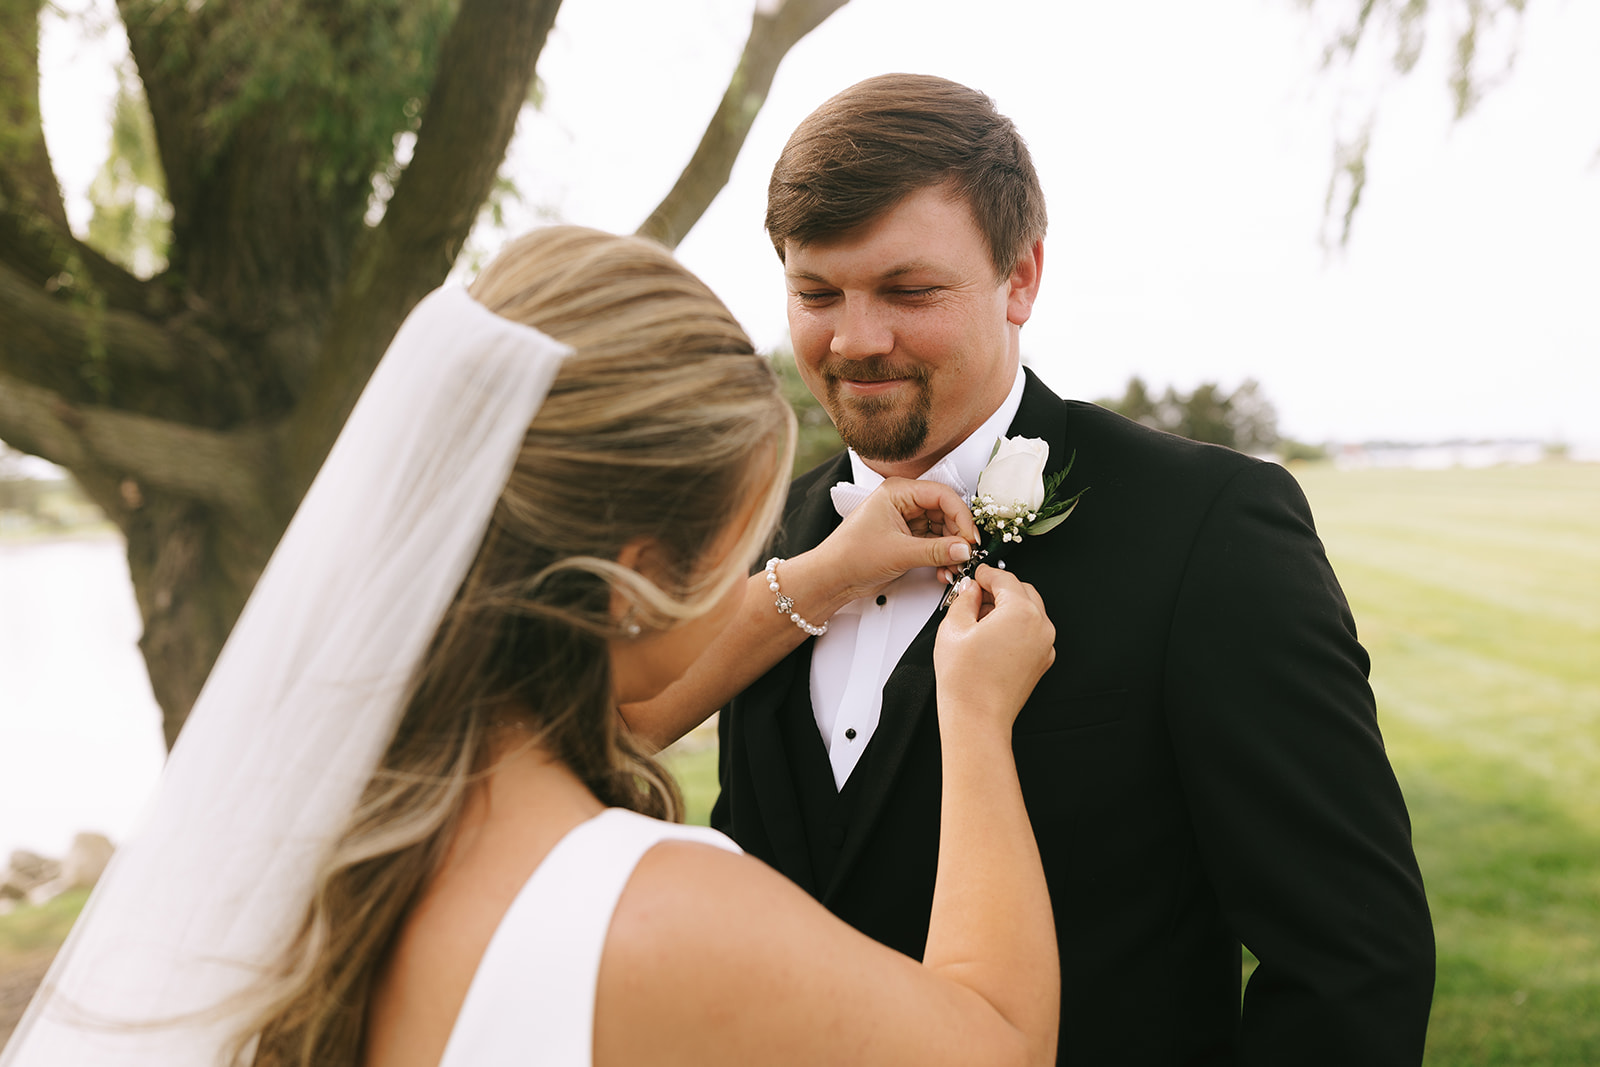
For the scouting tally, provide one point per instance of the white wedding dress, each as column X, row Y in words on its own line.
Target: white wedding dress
column 532, row 998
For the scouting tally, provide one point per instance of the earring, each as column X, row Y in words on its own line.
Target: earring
column 633, row 629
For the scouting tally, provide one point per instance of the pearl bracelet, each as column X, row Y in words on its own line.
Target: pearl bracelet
column 785, row 605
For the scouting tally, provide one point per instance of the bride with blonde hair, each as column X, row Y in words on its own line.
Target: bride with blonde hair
column 406, row 824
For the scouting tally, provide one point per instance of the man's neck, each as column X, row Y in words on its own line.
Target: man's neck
column 911, row 468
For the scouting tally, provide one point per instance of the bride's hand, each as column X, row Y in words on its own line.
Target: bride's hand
column 994, row 645
column 901, row 526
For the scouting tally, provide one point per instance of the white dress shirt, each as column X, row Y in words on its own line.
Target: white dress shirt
column 867, row 637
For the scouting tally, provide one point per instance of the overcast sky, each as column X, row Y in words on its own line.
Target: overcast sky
column 1184, row 150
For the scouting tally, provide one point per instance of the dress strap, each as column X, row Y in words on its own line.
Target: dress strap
column 532, row 998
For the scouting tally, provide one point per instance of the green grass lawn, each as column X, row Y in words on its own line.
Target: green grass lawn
column 693, row 762
column 1478, row 595
column 29, row 931
column 29, row 938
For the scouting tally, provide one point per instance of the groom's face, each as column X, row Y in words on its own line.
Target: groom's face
column 903, row 332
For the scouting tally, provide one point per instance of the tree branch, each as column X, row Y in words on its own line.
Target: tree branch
column 34, row 236
column 772, row 34
column 1401, row 28
column 224, row 469
column 163, row 39
column 27, row 184
column 485, row 68
column 85, row 352
column 31, row 421
column 41, row 250
column 35, row 239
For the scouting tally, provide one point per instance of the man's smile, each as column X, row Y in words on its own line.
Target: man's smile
column 872, row 387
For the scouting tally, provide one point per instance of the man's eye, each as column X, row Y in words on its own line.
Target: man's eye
column 920, row 293
column 813, row 296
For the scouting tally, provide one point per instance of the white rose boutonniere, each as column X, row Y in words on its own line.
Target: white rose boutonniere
column 1011, row 488
column 1014, row 499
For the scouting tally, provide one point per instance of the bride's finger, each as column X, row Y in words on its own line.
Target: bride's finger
column 892, row 533
column 939, row 504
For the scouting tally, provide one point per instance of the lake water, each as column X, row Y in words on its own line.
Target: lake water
column 80, row 733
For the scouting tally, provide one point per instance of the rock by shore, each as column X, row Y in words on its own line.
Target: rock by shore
column 33, row 879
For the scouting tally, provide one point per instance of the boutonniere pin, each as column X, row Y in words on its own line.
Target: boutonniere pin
column 1014, row 499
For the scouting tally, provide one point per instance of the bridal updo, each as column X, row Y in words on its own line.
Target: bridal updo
column 662, row 427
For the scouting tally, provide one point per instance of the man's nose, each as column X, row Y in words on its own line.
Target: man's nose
column 861, row 331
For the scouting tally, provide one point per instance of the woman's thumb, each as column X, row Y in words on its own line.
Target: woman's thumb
column 964, row 608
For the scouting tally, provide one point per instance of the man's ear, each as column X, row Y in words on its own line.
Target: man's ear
column 1023, row 284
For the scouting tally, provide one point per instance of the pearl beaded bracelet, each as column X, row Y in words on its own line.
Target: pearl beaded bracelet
column 785, row 605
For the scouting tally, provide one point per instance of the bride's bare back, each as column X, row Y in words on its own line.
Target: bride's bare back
column 524, row 807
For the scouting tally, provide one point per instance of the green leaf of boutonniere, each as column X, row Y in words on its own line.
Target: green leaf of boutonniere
column 1050, row 522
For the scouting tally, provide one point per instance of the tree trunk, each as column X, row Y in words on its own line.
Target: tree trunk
column 189, row 593
column 195, row 408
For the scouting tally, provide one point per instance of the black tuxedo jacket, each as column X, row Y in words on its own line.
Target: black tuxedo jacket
column 1202, row 766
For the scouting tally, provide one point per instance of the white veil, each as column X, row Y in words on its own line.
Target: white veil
column 301, row 704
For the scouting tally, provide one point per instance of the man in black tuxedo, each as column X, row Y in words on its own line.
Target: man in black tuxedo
column 1202, row 765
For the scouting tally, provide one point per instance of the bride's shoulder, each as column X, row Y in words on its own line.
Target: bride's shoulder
column 712, row 954
column 683, row 886
column 692, row 933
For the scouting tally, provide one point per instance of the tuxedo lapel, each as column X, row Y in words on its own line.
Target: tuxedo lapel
column 811, row 518
column 909, row 694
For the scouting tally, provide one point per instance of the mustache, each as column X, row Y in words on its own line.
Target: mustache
column 872, row 370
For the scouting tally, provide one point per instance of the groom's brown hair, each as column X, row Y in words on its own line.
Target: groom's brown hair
column 882, row 139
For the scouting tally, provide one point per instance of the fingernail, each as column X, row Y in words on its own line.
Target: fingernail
column 961, row 552
column 963, row 585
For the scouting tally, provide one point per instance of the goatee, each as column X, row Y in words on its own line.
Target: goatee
column 889, row 429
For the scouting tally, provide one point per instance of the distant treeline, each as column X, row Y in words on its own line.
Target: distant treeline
column 1243, row 420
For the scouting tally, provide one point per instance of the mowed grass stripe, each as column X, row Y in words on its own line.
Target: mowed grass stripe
column 1458, row 645
column 1513, row 882
column 1478, row 595
column 1394, row 606
column 1525, row 539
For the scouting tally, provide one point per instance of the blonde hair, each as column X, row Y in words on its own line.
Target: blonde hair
column 660, row 429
